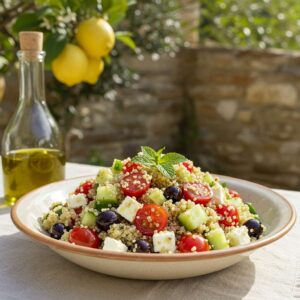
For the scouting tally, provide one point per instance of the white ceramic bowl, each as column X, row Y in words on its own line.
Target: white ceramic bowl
column 276, row 213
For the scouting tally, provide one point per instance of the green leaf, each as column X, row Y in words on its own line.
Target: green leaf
column 166, row 169
column 143, row 160
column 125, row 38
column 251, row 208
column 160, row 151
column 53, row 45
column 117, row 11
column 172, row 158
column 148, row 151
column 107, row 59
column 55, row 3
column 106, row 4
column 27, row 21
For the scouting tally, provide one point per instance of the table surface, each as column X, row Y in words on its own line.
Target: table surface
column 32, row 271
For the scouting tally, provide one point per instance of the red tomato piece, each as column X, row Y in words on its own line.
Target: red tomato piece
column 149, row 218
column 188, row 165
column 197, row 192
column 85, row 188
column 84, row 237
column 229, row 215
column 234, row 194
column 135, row 184
column 192, row 243
column 130, row 166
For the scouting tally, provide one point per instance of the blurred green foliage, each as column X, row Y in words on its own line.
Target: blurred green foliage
column 251, row 23
column 140, row 26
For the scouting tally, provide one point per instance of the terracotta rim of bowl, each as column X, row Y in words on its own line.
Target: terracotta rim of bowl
column 52, row 243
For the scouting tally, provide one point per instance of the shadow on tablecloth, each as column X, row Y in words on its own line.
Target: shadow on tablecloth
column 32, row 271
column 4, row 209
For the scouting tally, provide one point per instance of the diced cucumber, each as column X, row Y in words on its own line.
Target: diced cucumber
column 208, row 178
column 89, row 219
column 156, row 196
column 104, row 176
column 106, row 197
column 217, row 239
column 106, row 192
column 193, row 217
column 117, row 166
column 105, row 203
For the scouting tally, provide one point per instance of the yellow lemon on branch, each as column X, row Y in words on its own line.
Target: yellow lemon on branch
column 96, row 37
column 71, row 65
column 94, row 70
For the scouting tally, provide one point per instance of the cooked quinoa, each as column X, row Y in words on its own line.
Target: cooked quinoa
column 140, row 205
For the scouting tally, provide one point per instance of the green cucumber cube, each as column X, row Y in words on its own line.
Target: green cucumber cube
column 208, row 178
column 117, row 166
column 89, row 219
column 193, row 217
column 217, row 239
column 104, row 176
column 156, row 196
column 106, row 197
column 100, row 204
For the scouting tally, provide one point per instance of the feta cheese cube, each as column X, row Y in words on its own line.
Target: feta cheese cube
column 238, row 236
column 114, row 245
column 78, row 200
column 164, row 242
column 128, row 208
column 218, row 194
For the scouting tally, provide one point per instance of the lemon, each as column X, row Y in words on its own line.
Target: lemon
column 71, row 65
column 95, row 68
column 96, row 37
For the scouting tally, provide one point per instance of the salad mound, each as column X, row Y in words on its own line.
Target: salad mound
column 154, row 203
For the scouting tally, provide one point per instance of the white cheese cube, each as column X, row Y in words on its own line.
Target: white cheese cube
column 128, row 208
column 78, row 200
column 164, row 242
column 218, row 194
column 238, row 236
column 114, row 245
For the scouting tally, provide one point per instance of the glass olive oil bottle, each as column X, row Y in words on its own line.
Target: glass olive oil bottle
column 32, row 147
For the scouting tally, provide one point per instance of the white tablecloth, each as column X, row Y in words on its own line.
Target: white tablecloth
column 29, row 270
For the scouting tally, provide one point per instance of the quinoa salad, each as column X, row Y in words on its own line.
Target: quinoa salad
column 154, row 203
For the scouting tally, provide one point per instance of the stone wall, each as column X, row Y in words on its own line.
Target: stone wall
column 235, row 112
column 150, row 113
column 247, row 110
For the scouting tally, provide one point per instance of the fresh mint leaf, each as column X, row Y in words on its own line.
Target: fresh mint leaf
column 149, row 152
column 167, row 170
column 160, row 151
column 143, row 160
column 172, row 158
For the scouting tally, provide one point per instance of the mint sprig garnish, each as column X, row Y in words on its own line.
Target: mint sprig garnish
column 164, row 163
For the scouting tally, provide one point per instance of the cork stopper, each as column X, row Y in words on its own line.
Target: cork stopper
column 31, row 41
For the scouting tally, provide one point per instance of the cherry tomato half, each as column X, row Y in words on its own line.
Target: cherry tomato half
column 149, row 218
column 135, row 184
column 229, row 215
column 197, row 192
column 130, row 166
column 234, row 194
column 84, row 237
column 192, row 243
column 85, row 188
column 188, row 165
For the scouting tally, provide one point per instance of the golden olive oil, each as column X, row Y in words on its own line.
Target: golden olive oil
column 27, row 169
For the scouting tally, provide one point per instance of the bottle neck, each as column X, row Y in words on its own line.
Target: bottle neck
column 31, row 76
